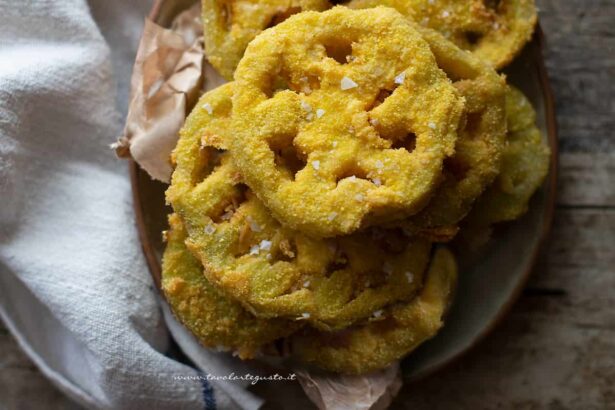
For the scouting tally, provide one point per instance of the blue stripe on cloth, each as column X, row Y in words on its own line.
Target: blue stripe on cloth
column 208, row 393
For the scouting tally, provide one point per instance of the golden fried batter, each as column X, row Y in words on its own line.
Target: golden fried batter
column 494, row 30
column 229, row 25
column 275, row 271
column 214, row 319
column 392, row 333
column 476, row 161
column 342, row 120
column 525, row 165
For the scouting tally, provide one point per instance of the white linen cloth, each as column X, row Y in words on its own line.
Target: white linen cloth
column 74, row 287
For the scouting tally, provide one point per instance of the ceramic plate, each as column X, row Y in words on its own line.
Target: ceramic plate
column 488, row 285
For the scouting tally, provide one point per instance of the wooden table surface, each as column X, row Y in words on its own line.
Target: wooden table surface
column 556, row 350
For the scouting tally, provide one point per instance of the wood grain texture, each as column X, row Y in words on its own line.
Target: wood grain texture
column 22, row 386
column 556, row 350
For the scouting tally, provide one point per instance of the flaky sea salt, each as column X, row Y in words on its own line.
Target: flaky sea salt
column 207, row 107
column 332, row 216
column 379, row 164
column 377, row 181
column 432, row 125
column 265, row 245
column 400, row 78
column 306, row 107
column 210, row 228
column 359, row 197
column 254, row 226
column 347, row 84
column 377, row 314
column 254, row 250
column 320, row 112
column 316, row 165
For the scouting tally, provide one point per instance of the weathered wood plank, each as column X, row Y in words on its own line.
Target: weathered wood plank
column 22, row 386
column 581, row 61
column 586, row 180
column 555, row 350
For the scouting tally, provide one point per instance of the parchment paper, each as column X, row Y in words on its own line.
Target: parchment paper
column 166, row 81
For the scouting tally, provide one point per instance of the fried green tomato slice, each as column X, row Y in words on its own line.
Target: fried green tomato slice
column 525, row 165
column 325, row 107
column 494, row 30
column 217, row 321
column 272, row 270
column 390, row 335
column 478, row 149
column 229, row 25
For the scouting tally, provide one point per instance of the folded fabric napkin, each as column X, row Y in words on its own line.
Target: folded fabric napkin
column 74, row 287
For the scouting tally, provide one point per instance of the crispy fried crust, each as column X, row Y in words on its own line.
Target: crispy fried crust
column 525, row 165
column 213, row 318
column 343, row 120
column 275, row 271
column 494, row 30
column 339, row 122
column 229, row 25
column 476, row 161
column 398, row 331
